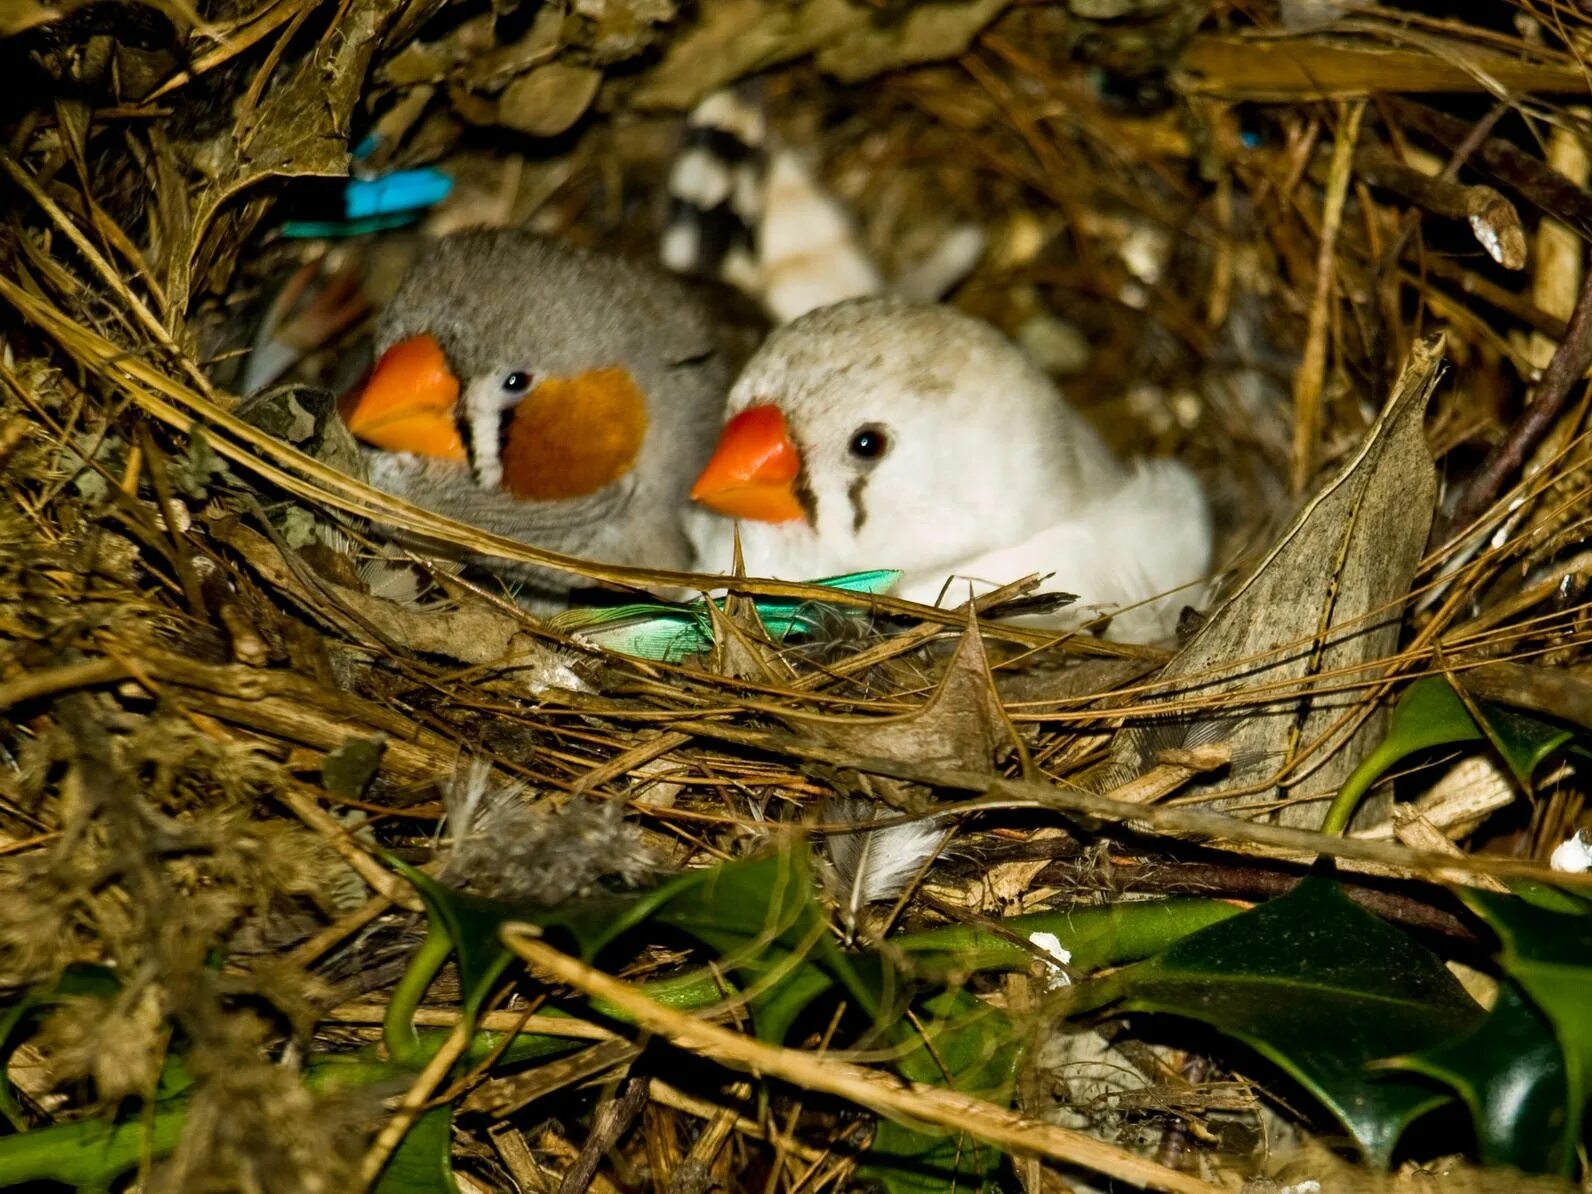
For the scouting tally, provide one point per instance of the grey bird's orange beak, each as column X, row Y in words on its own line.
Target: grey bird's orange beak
column 407, row 405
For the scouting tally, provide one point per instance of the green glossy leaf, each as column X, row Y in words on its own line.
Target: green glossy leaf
column 1523, row 741
column 1321, row 988
column 1092, row 937
column 762, row 919
column 1509, row 1072
column 971, row 1047
column 423, row 1163
column 470, row 925
column 1549, row 953
column 1431, row 714
column 90, row 1154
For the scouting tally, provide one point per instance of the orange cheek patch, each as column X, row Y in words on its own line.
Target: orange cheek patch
column 572, row 436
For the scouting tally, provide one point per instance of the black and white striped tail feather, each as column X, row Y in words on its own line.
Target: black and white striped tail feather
column 753, row 213
column 716, row 190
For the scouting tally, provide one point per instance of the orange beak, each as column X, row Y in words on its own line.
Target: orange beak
column 407, row 405
column 753, row 470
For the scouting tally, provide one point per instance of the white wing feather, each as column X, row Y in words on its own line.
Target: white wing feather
column 872, row 865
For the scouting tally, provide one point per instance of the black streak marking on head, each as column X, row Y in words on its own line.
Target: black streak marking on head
column 859, row 512
column 805, row 497
column 461, row 420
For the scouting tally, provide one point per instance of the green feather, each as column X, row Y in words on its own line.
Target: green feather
column 671, row 633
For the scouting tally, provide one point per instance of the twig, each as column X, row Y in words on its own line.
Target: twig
column 108, row 274
column 1218, row 830
column 1172, row 773
column 502, row 1097
column 338, row 930
column 338, row 836
column 540, row 1023
column 677, row 1100
column 695, row 1173
column 90, row 673
column 1552, row 691
column 1519, row 171
column 878, row 1091
column 166, row 497
column 409, row 1108
column 1491, row 217
column 1568, row 366
column 610, row 1123
column 1307, row 382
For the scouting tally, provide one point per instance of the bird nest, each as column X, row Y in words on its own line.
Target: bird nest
column 251, row 804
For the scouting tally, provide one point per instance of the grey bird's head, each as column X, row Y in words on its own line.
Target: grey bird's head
column 532, row 387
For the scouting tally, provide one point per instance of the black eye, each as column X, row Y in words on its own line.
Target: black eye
column 517, row 382
column 868, row 443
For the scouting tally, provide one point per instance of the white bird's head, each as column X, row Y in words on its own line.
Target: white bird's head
column 882, row 434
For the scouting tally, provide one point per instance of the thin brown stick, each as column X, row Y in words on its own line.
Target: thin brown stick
column 335, row 932
column 880, row 1092
column 1308, row 380
column 613, row 1118
column 341, row 840
column 1568, row 366
column 108, row 274
column 695, row 1173
column 410, row 1107
column 1491, row 217
column 90, row 673
column 1218, row 830
column 539, row 1023
column 1527, row 176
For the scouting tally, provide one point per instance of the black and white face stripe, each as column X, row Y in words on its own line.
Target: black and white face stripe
column 868, row 445
column 484, row 417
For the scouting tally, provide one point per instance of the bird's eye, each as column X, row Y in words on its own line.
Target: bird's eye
column 868, row 443
column 517, row 382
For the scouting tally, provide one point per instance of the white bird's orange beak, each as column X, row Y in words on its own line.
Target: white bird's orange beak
column 753, row 471
column 407, row 405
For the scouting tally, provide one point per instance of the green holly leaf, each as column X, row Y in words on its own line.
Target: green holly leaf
column 1549, row 954
column 1091, row 937
column 423, row 1163
column 1321, row 988
column 1524, row 742
column 760, row 916
column 1509, row 1072
column 1431, row 714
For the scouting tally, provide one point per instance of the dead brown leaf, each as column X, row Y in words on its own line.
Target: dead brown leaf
column 962, row 725
column 549, row 99
column 1327, row 600
column 298, row 129
column 743, row 36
